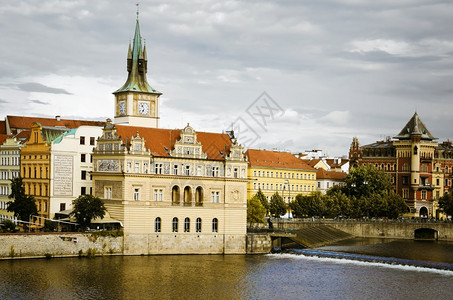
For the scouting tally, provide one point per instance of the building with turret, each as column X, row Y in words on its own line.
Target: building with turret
column 174, row 190
column 420, row 168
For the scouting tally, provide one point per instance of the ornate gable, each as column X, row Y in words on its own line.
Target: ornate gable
column 188, row 146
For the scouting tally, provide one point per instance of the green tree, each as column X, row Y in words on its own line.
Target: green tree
column 341, row 203
column 87, row 208
column 446, row 203
column 366, row 180
column 23, row 206
column 309, row 205
column 277, row 206
column 263, row 200
column 255, row 210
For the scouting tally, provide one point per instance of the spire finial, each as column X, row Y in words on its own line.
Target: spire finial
column 137, row 9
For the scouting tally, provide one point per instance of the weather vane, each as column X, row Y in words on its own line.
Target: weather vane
column 137, row 10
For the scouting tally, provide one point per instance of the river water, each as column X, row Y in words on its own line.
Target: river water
column 355, row 269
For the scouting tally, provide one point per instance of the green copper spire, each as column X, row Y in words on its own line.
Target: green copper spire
column 137, row 66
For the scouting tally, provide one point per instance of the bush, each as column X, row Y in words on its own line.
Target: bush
column 8, row 226
column 50, row 226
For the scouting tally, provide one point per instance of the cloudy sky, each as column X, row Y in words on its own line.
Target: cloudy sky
column 330, row 70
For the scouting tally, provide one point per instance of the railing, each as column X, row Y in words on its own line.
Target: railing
column 360, row 220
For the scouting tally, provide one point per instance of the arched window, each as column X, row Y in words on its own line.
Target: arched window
column 415, row 150
column 174, row 224
column 215, row 225
column 186, row 225
column 198, row 225
column 175, row 194
column 157, row 224
column 199, row 196
column 188, row 196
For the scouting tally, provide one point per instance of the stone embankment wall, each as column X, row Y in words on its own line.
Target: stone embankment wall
column 384, row 229
column 40, row 245
column 58, row 244
column 258, row 243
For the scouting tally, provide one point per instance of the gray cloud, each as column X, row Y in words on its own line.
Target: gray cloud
column 40, row 88
column 39, row 102
column 3, row 101
column 379, row 61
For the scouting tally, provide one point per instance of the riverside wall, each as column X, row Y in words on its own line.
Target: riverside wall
column 35, row 245
column 41, row 245
column 382, row 229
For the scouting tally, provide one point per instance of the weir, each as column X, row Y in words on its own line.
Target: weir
column 309, row 237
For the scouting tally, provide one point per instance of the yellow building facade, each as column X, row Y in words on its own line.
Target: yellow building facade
column 175, row 191
column 282, row 172
column 34, row 165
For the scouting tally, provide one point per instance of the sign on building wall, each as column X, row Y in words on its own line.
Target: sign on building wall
column 62, row 175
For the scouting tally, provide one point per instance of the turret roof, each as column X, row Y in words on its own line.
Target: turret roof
column 137, row 67
column 415, row 126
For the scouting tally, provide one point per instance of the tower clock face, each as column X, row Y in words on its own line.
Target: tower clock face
column 143, row 108
column 122, row 107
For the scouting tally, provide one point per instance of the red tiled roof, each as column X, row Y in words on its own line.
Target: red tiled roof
column 2, row 138
column 2, row 127
column 23, row 136
column 333, row 162
column 157, row 140
column 274, row 159
column 313, row 162
column 323, row 174
column 21, row 122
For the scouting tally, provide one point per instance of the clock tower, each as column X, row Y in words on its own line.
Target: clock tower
column 136, row 102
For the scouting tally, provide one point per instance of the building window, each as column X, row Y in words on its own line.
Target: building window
column 83, row 190
column 215, row 171
column 406, row 194
column 137, row 167
column 215, row 197
column 437, row 182
column 319, row 185
column 158, row 194
column 157, row 225
column 215, row 225
column 405, row 180
column 174, row 225
column 158, row 168
column 83, row 157
column 198, row 170
column 175, row 194
column 254, row 173
column 199, row 196
column 62, row 206
column 136, row 194
column 254, row 185
column 423, row 195
column 108, row 192
column 84, row 175
column 186, row 225
column 198, row 225
column 82, row 140
column 175, row 169
column 187, row 170
column 92, row 141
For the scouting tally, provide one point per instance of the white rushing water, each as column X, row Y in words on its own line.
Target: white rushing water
column 345, row 261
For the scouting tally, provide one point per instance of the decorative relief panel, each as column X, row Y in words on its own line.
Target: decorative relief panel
column 167, row 168
column 108, row 165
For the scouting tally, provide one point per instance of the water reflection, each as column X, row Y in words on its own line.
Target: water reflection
column 282, row 276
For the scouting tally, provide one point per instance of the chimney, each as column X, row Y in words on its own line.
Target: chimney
column 57, row 118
